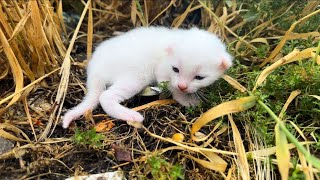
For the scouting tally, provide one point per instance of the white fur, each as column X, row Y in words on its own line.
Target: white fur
column 129, row 62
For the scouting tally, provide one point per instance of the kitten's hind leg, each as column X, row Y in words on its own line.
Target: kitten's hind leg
column 95, row 87
column 121, row 90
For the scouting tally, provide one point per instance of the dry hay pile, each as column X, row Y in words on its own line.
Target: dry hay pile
column 43, row 55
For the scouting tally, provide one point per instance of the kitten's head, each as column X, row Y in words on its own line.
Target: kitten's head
column 196, row 60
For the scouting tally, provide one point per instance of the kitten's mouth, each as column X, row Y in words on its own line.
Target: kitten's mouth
column 187, row 92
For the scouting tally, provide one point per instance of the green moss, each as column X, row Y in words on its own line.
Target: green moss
column 90, row 138
column 161, row 169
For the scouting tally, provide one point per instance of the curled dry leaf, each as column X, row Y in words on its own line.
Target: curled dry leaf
column 293, row 95
column 237, row 105
column 234, row 83
column 104, row 126
column 218, row 163
column 315, row 96
column 215, row 159
column 121, row 154
column 260, row 40
column 178, row 137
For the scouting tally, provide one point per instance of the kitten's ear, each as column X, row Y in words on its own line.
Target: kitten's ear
column 226, row 62
column 170, row 50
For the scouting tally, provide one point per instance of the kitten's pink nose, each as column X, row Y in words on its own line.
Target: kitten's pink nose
column 182, row 86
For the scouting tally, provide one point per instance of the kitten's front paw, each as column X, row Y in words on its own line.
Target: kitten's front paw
column 131, row 115
column 68, row 118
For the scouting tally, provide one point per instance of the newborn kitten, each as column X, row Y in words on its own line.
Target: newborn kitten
column 187, row 59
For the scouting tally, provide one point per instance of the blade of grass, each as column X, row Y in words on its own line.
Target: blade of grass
column 241, row 159
column 15, row 69
column 272, row 150
column 225, row 108
column 282, row 152
column 317, row 54
column 234, row 83
column 178, row 20
column 164, row 10
column 293, row 95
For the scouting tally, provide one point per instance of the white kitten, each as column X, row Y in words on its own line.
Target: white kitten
column 187, row 59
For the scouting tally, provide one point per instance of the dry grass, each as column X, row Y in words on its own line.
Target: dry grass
column 36, row 44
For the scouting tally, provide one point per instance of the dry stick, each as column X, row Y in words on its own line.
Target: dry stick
column 195, row 149
column 310, row 158
column 63, row 86
column 146, row 15
column 26, row 109
column 90, row 33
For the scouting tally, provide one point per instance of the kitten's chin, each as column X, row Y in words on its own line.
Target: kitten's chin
column 189, row 91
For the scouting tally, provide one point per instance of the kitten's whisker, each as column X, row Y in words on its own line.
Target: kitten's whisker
column 197, row 96
column 202, row 96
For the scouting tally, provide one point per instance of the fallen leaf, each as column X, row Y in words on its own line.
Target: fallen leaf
column 104, row 126
column 178, row 137
column 121, row 154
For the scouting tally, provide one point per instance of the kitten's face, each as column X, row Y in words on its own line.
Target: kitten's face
column 196, row 64
column 188, row 77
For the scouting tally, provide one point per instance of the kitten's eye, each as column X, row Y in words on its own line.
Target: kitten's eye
column 175, row 69
column 199, row 77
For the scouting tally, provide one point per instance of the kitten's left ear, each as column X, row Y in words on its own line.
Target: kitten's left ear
column 226, row 62
column 170, row 50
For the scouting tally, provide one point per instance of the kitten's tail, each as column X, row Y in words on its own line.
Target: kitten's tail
column 90, row 101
